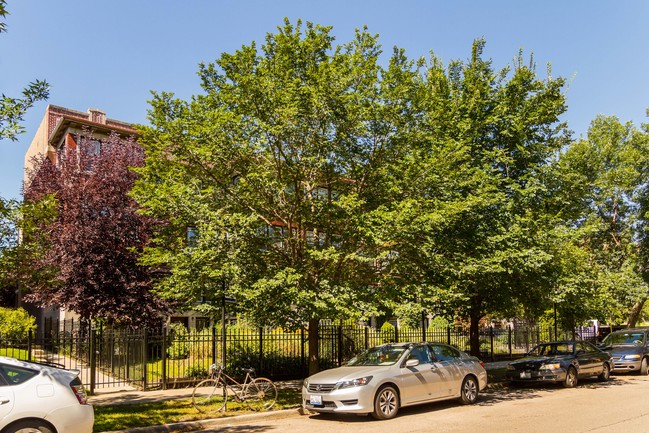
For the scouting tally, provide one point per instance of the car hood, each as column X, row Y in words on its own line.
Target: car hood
column 347, row 373
column 623, row 349
column 537, row 360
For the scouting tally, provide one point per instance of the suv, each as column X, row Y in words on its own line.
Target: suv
column 629, row 349
column 39, row 398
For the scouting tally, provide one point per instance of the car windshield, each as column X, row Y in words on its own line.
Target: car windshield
column 632, row 338
column 380, row 355
column 553, row 349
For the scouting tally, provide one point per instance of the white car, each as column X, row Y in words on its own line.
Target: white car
column 384, row 378
column 38, row 398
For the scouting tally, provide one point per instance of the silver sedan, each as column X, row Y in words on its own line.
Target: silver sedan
column 384, row 378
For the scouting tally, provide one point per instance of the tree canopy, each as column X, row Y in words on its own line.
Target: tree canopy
column 85, row 251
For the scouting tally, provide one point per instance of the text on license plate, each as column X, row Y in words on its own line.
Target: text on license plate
column 526, row 375
column 316, row 400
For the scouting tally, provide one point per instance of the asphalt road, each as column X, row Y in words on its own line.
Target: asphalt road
column 619, row 405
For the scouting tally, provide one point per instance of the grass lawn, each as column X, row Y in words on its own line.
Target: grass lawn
column 125, row 416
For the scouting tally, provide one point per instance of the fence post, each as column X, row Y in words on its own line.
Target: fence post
column 448, row 335
column 340, row 345
column 261, row 349
column 367, row 337
column 164, row 357
column 214, row 344
column 145, row 360
column 302, row 357
column 491, row 337
column 93, row 360
column 29, row 345
column 509, row 340
column 396, row 332
column 423, row 326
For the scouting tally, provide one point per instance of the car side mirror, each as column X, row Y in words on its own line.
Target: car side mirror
column 412, row 362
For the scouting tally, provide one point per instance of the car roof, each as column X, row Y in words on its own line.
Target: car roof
column 561, row 342
column 36, row 366
column 636, row 329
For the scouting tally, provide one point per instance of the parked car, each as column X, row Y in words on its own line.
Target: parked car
column 561, row 362
column 629, row 349
column 39, row 398
column 385, row 378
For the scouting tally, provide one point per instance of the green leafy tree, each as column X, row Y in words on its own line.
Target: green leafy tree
column 607, row 178
column 467, row 226
column 271, row 173
column 12, row 110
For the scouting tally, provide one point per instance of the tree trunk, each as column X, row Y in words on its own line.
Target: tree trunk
column 314, row 346
column 634, row 315
column 474, row 332
column 475, row 314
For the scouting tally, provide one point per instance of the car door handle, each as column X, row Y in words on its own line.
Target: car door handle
column 4, row 401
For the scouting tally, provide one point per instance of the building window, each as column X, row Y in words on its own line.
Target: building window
column 192, row 237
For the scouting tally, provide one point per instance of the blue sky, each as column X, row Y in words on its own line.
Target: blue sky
column 111, row 54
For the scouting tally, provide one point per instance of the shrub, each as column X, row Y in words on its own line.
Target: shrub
column 179, row 337
column 15, row 324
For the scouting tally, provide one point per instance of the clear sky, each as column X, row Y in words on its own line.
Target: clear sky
column 111, row 54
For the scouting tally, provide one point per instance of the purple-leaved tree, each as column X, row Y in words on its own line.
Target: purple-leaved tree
column 89, row 251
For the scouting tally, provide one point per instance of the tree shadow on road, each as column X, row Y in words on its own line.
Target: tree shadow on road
column 244, row 428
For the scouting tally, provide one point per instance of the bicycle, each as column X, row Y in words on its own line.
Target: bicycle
column 211, row 395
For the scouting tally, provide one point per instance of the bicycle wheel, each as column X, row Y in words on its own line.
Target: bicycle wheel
column 260, row 394
column 209, row 396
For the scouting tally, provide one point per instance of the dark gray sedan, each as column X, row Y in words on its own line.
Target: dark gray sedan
column 561, row 362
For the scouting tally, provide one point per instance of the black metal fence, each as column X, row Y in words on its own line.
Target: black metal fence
column 170, row 358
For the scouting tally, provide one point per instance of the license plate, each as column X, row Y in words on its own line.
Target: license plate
column 316, row 400
column 526, row 375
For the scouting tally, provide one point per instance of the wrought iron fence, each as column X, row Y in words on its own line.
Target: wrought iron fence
column 166, row 358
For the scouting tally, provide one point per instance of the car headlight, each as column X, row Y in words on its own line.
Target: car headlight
column 306, row 383
column 361, row 381
column 551, row 366
column 631, row 357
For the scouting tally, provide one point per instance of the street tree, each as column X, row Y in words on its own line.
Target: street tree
column 608, row 180
column 469, row 230
column 270, row 172
column 85, row 256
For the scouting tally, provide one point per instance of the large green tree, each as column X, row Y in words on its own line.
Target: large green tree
column 468, row 227
column 607, row 177
column 271, row 172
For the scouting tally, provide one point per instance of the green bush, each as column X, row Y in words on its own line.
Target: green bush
column 179, row 337
column 15, row 324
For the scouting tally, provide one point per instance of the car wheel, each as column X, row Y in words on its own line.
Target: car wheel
column 469, row 391
column 605, row 374
column 644, row 366
column 571, row 378
column 386, row 403
column 29, row 427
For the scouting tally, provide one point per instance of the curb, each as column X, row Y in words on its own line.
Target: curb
column 212, row 423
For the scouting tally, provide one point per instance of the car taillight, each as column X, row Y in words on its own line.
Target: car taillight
column 79, row 391
column 482, row 363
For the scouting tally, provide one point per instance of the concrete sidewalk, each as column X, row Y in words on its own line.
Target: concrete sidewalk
column 129, row 395
column 115, row 396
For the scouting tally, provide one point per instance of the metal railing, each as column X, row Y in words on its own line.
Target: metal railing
column 162, row 358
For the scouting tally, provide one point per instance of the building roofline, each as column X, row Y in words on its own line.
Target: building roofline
column 66, row 121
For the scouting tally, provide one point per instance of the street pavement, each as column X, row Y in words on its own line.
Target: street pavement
column 129, row 395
